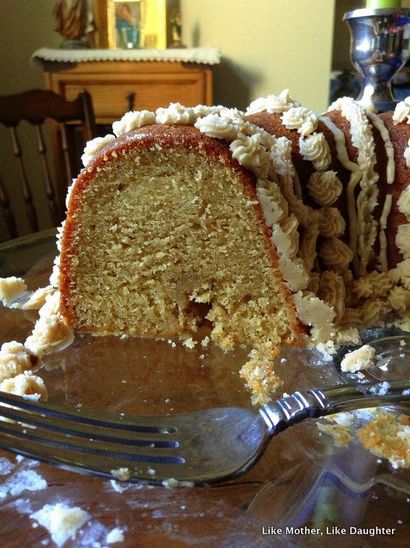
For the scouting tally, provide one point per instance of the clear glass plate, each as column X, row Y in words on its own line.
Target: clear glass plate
column 303, row 482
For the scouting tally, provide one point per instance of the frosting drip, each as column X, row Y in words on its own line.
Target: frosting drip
column 403, row 202
column 407, row 154
column 382, row 233
column 363, row 233
column 391, row 166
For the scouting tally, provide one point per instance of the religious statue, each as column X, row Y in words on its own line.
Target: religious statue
column 75, row 22
column 175, row 22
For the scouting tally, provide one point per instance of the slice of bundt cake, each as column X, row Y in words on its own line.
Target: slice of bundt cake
column 166, row 229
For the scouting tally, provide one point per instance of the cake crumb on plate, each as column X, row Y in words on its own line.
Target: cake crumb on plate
column 357, row 360
column 61, row 521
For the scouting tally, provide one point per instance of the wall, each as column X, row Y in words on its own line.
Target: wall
column 26, row 25
column 267, row 45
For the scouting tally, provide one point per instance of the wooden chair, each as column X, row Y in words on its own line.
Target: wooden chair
column 64, row 119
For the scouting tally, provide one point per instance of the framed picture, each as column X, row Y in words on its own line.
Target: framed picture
column 137, row 24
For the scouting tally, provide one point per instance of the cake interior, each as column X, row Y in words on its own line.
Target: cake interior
column 164, row 240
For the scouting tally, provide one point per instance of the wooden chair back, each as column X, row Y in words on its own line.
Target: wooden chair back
column 64, row 118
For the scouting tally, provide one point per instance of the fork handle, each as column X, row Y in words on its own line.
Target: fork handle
column 317, row 402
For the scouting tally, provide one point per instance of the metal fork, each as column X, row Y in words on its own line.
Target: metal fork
column 199, row 447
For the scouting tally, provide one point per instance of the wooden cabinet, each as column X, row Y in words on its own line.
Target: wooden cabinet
column 119, row 86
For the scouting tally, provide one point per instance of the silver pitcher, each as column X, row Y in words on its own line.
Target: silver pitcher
column 379, row 49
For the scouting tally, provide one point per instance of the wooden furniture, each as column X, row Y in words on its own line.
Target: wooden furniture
column 119, row 86
column 35, row 107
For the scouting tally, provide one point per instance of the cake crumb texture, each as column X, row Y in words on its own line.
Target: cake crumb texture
column 178, row 242
column 388, row 436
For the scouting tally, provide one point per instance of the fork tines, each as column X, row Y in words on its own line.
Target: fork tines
column 95, row 442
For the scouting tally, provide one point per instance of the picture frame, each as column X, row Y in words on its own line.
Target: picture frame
column 135, row 24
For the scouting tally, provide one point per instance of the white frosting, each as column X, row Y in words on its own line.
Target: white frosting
column 215, row 126
column 399, row 299
column 374, row 309
column 382, row 233
column 324, row 187
column 403, row 272
column 314, row 312
column 363, row 234
column 274, row 205
column 403, row 202
column 391, row 166
column 402, row 112
column 11, row 288
column 285, row 235
column 94, row 146
column 50, row 332
column 15, row 358
column 300, row 118
column 314, row 148
column 37, row 299
column 308, row 245
column 272, row 103
column 407, row 154
column 331, row 222
column 133, row 120
column 332, row 290
column 341, row 150
column 25, row 384
column 175, row 114
column 335, row 254
column 403, row 240
column 361, row 132
column 374, row 284
column 203, row 110
column 250, row 152
column 294, row 272
column 55, row 274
